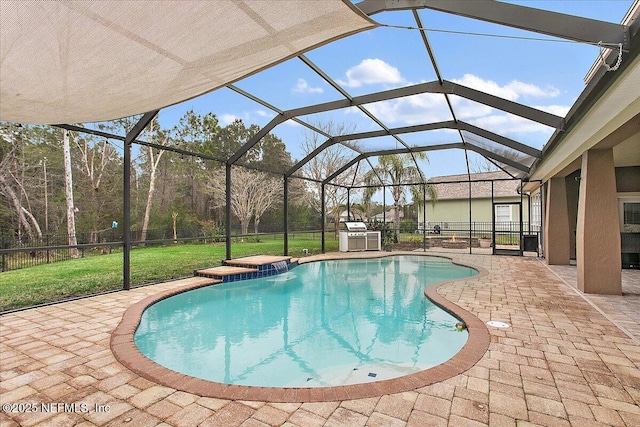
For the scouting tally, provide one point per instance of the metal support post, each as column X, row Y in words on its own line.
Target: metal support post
column 126, row 215
column 521, row 227
column 4, row 256
column 470, row 213
column 384, row 214
column 286, row 216
column 322, row 216
column 493, row 222
column 542, row 220
column 126, row 219
column 227, row 211
column 424, row 218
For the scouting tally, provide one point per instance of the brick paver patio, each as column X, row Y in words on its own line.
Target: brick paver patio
column 563, row 362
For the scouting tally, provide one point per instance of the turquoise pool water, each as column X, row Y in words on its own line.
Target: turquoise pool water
column 323, row 323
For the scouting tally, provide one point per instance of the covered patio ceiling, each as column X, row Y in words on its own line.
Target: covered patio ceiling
column 236, row 39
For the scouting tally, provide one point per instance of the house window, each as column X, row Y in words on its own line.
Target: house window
column 503, row 213
column 630, row 213
column 536, row 219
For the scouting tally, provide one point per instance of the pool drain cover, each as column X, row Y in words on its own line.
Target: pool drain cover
column 497, row 324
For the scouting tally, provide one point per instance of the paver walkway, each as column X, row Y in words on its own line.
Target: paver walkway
column 562, row 363
column 622, row 310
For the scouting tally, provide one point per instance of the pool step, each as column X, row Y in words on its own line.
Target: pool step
column 257, row 261
column 251, row 267
column 226, row 273
column 197, row 281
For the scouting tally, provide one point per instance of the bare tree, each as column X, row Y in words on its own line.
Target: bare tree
column 68, row 190
column 153, row 162
column 94, row 160
column 24, row 217
column 326, row 163
column 11, row 181
column 267, row 192
column 479, row 163
column 174, row 218
column 240, row 206
column 252, row 193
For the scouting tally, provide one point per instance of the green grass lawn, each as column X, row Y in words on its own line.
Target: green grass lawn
column 61, row 280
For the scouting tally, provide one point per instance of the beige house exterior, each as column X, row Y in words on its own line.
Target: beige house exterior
column 455, row 207
column 589, row 178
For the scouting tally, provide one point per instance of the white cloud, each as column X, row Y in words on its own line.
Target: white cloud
column 466, row 109
column 292, row 123
column 353, row 110
column 432, row 107
column 427, row 108
column 371, row 71
column 505, row 124
column 527, row 89
column 303, row 87
column 509, row 124
column 558, row 110
column 511, row 91
column 416, row 109
column 248, row 117
column 226, row 119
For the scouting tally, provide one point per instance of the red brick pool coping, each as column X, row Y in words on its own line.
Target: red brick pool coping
column 126, row 352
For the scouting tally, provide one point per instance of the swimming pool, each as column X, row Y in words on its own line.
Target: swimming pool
column 321, row 324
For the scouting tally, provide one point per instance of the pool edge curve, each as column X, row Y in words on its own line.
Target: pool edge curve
column 126, row 352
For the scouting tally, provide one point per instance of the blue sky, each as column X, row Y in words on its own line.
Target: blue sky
column 542, row 74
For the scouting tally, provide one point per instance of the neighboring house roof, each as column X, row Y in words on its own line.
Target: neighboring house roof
column 355, row 216
column 388, row 215
column 353, row 213
column 451, row 187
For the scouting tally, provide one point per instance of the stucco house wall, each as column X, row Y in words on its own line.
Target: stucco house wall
column 458, row 210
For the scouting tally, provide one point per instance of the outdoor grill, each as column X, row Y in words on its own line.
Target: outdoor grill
column 355, row 228
column 356, row 237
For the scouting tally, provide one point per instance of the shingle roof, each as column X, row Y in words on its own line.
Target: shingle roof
column 452, row 187
column 388, row 215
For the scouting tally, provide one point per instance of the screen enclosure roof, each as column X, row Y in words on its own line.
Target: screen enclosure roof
column 80, row 62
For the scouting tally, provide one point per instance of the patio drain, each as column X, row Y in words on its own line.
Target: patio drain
column 497, row 324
